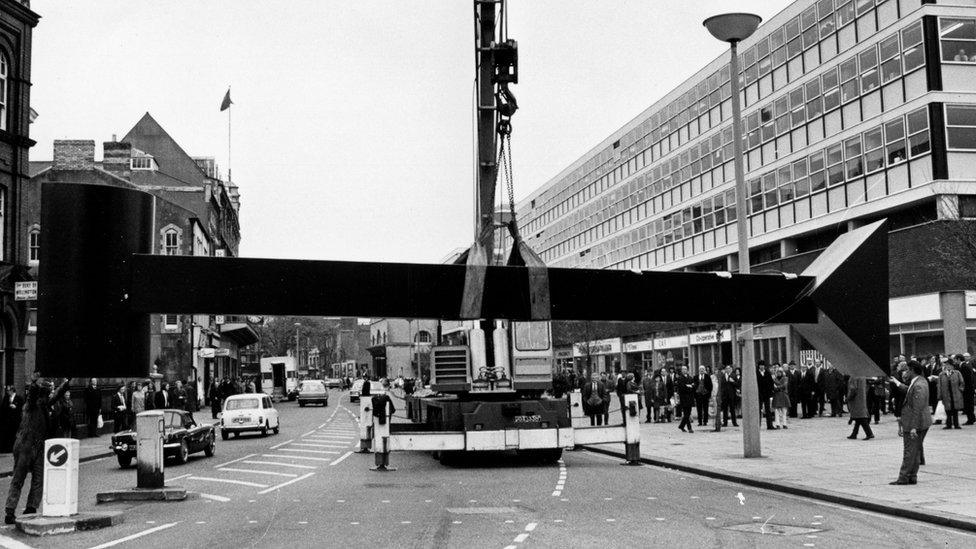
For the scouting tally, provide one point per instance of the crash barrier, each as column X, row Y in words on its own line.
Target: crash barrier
column 60, row 477
column 149, row 449
column 385, row 440
column 365, row 424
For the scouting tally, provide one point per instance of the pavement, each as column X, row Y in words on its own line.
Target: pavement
column 90, row 449
column 814, row 458
column 307, row 488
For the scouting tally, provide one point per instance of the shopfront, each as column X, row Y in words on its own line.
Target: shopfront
column 670, row 352
column 598, row 356
column 712, row 349
column 638, row 355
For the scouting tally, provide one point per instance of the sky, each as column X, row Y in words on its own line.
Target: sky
column 352, row 132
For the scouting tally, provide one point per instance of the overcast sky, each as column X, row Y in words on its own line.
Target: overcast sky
column 352, row 121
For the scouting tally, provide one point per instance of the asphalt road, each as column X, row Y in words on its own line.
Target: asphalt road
column 304, row 488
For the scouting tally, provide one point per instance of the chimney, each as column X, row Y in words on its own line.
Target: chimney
column 74, row 154
column 117, row 158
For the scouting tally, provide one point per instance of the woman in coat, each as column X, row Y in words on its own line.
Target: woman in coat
column 950, row 392
column 857, row 402
column 781, row 398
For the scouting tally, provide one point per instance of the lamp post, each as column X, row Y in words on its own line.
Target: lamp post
column 733, row 28
column 298, row 354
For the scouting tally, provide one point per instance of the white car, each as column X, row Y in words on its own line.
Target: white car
column 248, row 412
column 375, row 388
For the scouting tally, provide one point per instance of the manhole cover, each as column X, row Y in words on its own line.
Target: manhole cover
column 481, row 510
column 772, row 529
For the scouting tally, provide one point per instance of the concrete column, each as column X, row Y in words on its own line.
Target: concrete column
column 953, row 309
column 787, row 247
column 855, row 224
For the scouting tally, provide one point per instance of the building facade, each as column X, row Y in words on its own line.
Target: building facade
column 853, row 110
column 17, row 22
column 195, row 214
column 401, row 347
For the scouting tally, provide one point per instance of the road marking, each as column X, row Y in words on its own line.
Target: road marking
column 221, row 499
column 558, row 520
column 404, row 522
column 286, row 483
column 308, row 433
column 295, row 457
column 281, row 444
column 326, row 423
column 135, row 536
column 200, row 522
column 308, row 451
column 228, row 481
column 11, row 543
column 310, row 445
column 334, row 440
column 256, row 472
column 338, row 461
column 611, row 520
column 177, row 478
column 709, row 518
column 521, row 537
column 295, row 465
column 234, row 461
column 456, row 522
column 530, row 526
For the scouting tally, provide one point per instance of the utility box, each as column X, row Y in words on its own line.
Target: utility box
column 150, row 427
column 60, row 477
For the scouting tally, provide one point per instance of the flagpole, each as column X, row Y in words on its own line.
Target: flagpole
column 229, row 107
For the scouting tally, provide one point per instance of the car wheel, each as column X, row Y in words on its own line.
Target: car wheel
column 211, row 445
column 124, row 461
column 184, row 453
column 326, row 403
column 224, row 435
column 264, row 430
column 277, row 427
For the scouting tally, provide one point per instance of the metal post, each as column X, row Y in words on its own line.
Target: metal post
column 750, row 388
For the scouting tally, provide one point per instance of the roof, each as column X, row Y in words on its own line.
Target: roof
column 147, row 135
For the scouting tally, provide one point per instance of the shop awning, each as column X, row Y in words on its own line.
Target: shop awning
column 242, row 333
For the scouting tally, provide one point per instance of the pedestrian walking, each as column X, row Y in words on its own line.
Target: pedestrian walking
column 215, row 401
column 703, row 394
column 119, row 409
column 916, row 418
column 857, row 404
column 92, row 398
column 36, row 426
column 594, row 394
column 685, row 385
column 781, row 398
column 950, row 393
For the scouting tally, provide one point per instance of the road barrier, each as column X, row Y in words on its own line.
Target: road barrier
column 60, row 477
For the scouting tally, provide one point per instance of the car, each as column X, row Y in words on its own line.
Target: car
column 249, row 412
column 313, row 391
column 333, row 383
column 375, row 388
column 182, row 436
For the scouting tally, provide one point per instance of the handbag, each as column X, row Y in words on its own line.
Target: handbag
column 101, row 422
column 940, row 412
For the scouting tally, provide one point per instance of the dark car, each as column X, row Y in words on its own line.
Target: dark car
column 181, row 437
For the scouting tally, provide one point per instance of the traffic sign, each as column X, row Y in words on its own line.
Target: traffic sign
column 25, row 291
column 57, row 455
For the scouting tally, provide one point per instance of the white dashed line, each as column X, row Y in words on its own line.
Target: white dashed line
column 232, row 461
column 316, row 445
column 213, row 497
column 338, row 461
column 611, row 520
column 229, row 481
column 709, row 518
column 561, row 481
column 530, row 526
column 308, row 451
column 404, row 522
column 200, row 522
column 558, row 520
column 256, row 472
column 11, row 543
column 520, row 538
column 177, row 478
column 292, row 465
column 286, row 483
column 295, row 457
column 456, row 522
column 135, row 536
column 280, row 444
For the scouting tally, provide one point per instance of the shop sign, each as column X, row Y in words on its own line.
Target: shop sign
column 25, row 291
column 206, row 352
column 671, row 342
column 703, row 338
column 599, row 347
column 638, row 346
column 563, row 353
column 970, row 304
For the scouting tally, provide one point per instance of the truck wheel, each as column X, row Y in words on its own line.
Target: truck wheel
column 124, row 461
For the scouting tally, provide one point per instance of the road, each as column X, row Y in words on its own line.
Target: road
column 305, row 488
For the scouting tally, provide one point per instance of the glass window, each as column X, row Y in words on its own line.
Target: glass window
column 835, row 164
column 961, row 126
column 895, row 141
column 852, row 153
column 873, row 150
column 850, row 89
column 827, row 26
column 831, row 95
column 911, row 40
column 171, row 245
column 809, row 17
column 845, row 14
column 818, row 178
column 769, row 189
column 34, row 245
column 869, row 69
column 890, row 63
column 864, row 6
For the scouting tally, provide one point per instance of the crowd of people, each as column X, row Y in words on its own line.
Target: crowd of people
column 812, row 389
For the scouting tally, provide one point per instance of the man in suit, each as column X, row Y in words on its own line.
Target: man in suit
column 595, row 393
column 819, row 387
column 765, row 382
column 968, row 378
column 730, row 384
column 808, row 389
column 93, row 406
column 916, row 418
column 685, row 384
column 793, row 388
column 119, row 409
column 703, row 393
column 162, row 397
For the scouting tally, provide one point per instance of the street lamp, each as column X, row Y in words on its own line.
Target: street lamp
column 298, row 354
column 734, row 28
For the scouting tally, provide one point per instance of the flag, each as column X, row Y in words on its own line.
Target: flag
column 226, row 103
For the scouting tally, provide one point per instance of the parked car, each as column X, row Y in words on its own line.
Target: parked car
column 313, row 391
column 375, row 388
column 249, row 412
column 181, row 437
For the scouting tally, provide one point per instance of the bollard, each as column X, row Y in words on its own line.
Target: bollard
column 365, row 425
column 576, row 414
column 632, row 430
column 149, row 449
column 60, row 477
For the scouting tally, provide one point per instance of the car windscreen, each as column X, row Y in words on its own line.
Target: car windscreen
column 312, row 387
column 241, row 404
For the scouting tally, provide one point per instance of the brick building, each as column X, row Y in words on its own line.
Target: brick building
column 853, row 111
column 195, row 214
column 16, row 25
